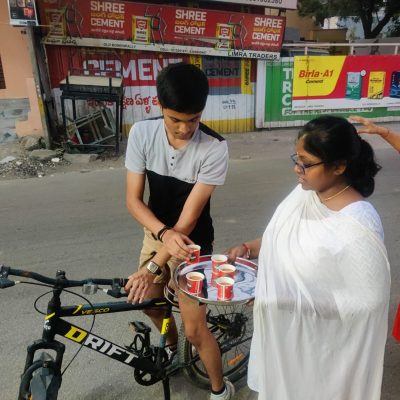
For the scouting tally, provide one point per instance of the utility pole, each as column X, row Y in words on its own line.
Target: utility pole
column 36, row 77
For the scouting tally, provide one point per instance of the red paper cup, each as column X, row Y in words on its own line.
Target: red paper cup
column 224, row 288
column 227, row 270
column 214, row 277
column 217, row 260
column 195, row 257
column 194, row 282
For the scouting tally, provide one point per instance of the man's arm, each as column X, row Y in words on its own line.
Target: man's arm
column 175, row 240
column 135, row 184
column 393, row 138
column 172, row 239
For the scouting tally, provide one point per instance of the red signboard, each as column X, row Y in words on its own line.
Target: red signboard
column 231, row 81
column 140, row 26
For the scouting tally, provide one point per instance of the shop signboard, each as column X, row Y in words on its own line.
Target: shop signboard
column 158, row 27
column 22, row 12
column 274, row 90
column 343, row 82
column 230, row 104
column 287, row 4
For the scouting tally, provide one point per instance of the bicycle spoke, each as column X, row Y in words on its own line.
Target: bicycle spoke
column 232, row 327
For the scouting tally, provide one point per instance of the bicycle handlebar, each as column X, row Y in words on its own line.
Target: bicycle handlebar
column 60, row 281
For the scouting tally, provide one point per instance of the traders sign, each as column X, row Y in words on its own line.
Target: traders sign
column 142, row 26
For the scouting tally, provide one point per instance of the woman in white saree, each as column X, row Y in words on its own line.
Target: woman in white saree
column 321, row 308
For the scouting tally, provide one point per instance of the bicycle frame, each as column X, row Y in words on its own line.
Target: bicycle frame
column 54, row 325
column 151, row 363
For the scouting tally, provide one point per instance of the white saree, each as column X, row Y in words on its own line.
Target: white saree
column 321, row 309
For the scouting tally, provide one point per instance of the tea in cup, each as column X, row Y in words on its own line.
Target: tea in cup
column 217, row 260
column 194, row 282
column 227, row 270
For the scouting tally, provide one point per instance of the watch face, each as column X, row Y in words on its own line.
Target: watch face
column 153, row 268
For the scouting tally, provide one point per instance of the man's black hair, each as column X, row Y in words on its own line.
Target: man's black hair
column 183, row 88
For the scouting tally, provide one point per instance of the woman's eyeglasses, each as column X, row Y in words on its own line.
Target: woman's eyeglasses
column 303, row 167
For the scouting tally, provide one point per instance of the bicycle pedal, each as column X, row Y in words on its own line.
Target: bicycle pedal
column 139, row 327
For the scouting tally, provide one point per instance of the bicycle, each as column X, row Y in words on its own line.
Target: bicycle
column 42, row 375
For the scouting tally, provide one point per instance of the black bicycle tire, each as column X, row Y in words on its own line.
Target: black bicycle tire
column 28, row 375
column 195, row 372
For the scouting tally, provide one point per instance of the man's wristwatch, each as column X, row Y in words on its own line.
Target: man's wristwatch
column 153, row 268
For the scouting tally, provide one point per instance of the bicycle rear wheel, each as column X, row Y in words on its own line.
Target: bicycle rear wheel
column 232, row 327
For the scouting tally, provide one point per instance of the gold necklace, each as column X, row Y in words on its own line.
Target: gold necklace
column 337, row 194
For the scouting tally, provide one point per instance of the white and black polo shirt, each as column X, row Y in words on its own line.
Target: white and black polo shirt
column 172, row 173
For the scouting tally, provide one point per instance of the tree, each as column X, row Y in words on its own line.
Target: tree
column 373, row 14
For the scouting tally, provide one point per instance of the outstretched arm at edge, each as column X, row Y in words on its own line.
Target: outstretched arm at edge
column 393, row 138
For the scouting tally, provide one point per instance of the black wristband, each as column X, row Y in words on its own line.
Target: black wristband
column 162, row 231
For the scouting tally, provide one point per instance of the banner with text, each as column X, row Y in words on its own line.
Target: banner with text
column 140, row 26
column 342, row 82
column 230, row 105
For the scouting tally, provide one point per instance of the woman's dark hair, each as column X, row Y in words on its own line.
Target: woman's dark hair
column 334, row 139
column 183, row 88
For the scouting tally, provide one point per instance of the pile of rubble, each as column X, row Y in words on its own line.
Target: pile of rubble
column 27, row 158
column 28, row 167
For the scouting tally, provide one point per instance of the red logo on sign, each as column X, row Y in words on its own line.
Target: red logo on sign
column 225, row 31
column 141, row 24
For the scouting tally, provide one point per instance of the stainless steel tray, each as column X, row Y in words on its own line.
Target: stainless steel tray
column 243, row 290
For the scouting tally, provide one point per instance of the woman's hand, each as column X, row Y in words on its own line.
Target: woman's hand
column 176, row 244
column 236, row 251
column 138, row 285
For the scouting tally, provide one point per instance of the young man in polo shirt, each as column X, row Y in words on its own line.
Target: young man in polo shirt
column 183, row 161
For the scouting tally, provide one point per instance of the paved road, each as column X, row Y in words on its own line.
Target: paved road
column 78, row 222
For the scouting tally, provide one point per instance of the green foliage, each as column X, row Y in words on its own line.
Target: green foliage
column 365, row 11
column 394, row 30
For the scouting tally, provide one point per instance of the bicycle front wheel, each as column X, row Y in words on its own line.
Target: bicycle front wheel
column 41, row 381
column 232, row 327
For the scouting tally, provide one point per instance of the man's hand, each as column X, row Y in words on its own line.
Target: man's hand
column 176, row 244
column 138, row 285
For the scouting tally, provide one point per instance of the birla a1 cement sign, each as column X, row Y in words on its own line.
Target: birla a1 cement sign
column 342, row 82
column 274, row 90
